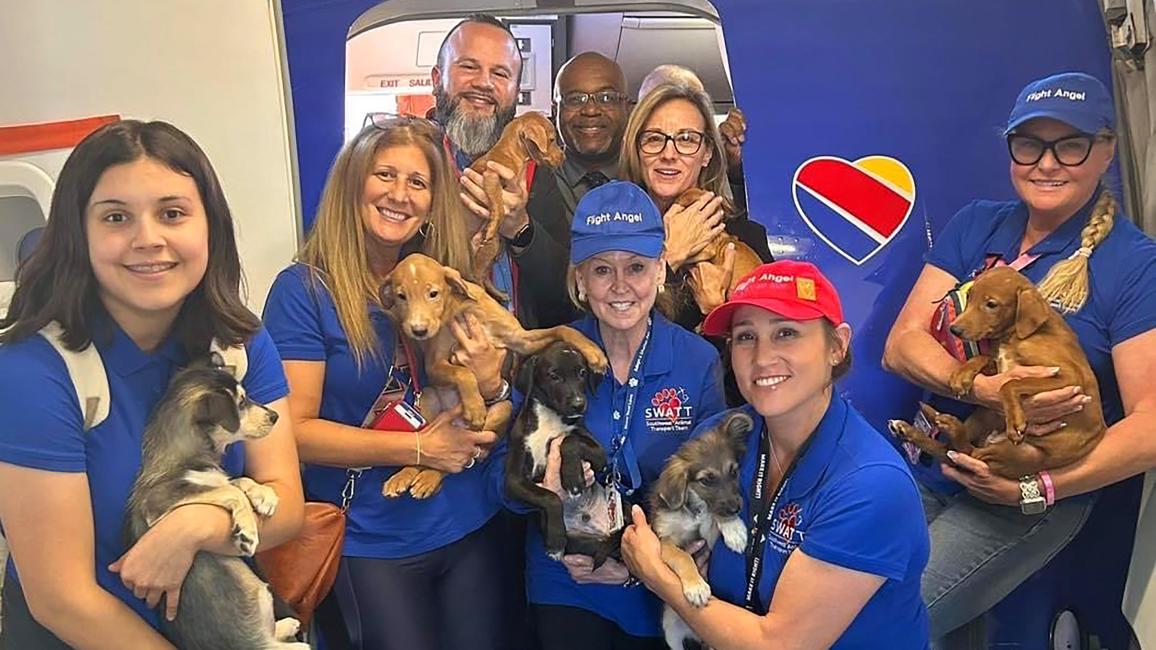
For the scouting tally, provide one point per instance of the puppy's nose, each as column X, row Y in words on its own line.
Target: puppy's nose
column 273, row 417
column 578, row 403
column 732, row 509
column 956, row 330
column 419, row 330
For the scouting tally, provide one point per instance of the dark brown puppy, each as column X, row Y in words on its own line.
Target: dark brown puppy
column 1005, row 308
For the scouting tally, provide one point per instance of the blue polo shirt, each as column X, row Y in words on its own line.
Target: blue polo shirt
column 302, row 319
column 851, row 502
column 41, row 425
column 681, row 384
column 1121, row 279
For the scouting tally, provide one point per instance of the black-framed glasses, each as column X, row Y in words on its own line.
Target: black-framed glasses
column 1069, row 151
column 603, row 98
column 686, row 142
column 386, row 121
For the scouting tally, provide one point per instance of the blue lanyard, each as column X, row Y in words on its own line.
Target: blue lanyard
column 622, row 449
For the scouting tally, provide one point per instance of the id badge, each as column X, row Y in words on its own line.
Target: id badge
column 920, row 422
column 397, row 415
column 614, row 505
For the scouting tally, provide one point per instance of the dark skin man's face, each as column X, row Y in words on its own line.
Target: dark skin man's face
column 592, row 132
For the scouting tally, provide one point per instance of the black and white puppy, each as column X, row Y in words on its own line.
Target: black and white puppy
column 223, row 603
column 554, row 383
column 697, row 497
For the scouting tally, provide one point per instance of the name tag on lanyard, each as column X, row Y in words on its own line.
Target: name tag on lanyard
column 622, row 454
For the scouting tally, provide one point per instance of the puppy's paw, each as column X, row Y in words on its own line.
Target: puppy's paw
column 555, row 541
column 597, row 359
column 734, row 534
column 286, row 629
column 961, row 382
column 399, row 483
column 697, row 591
column 474, row 415
column 555, row 555
column 903, row 430
column 426, row 484
column 263, row 498
column 245, row 539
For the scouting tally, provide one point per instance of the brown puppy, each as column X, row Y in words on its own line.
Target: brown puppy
column 698, row 497
column 1005, row 308
column 421, row 297
column 746, row 259
column 529, row 136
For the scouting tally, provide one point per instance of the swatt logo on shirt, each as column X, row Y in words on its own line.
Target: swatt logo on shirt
column 669, row 411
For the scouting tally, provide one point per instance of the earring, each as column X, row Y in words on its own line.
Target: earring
column 661, row 288
column 425, row 229
column 581, row 294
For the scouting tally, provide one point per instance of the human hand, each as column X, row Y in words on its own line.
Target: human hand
column 515, row 195
column 158, row 562
column 1044, row 411
column 642, row 553
column 690, row 229
column 581, row 568
column 450, row 447
column 709, row 283
column 552, row 479
column 734, row 133
column 977, row 477
column 476, row 351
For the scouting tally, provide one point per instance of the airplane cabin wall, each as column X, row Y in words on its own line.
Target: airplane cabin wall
column 211, row 67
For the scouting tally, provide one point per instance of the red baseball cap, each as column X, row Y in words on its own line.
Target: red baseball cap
column 794, row 290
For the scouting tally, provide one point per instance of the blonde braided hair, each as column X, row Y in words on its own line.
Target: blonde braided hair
column 1065, row 287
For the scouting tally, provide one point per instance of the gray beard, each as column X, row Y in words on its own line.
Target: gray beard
column 474, row 136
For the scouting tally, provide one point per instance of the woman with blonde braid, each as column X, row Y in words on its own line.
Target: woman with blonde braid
column 1099, row 270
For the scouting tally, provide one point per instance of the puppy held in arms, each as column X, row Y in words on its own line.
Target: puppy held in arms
column 223, row 603
column 530, row 136
column 555, row 382
column 422, row 297
column 1006, row 309
column 697, row 497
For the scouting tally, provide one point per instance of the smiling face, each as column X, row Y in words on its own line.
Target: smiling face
column 148, row 241
column 591, row 132
column 1051, row 190
column 784, row 367
column 670, row 173
column 397, row 197
column 475, row 85
column 620, row 287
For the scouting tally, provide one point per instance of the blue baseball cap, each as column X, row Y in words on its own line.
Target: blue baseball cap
column 1074, row 98
column 616, row 216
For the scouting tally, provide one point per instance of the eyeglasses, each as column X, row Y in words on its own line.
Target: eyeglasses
column 386, row 121
column 602, row 98
column 686, row 142
column 1069, row 151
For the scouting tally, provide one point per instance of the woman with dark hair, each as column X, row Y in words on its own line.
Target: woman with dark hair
column 139, row 260
column 835, row 544
column 416, row 574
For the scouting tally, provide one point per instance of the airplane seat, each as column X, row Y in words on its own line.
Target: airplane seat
column 1074, row 601
column 28, row 243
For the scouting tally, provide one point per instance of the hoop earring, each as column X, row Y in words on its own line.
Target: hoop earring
column 425, row 229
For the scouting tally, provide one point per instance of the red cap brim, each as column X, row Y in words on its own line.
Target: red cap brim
column 718, row 321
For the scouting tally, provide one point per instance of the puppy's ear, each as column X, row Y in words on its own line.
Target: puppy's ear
column 593, row 380
column 671, row 486
column 737, row 425
column 217, row 408
column 385, row 293
column 216, row 360
column 457, row 283
column 524, row 380
column 1031, row 311
column 534, row 141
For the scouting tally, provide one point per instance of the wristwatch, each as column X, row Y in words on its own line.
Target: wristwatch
column 1032, row 501
column 524, row 236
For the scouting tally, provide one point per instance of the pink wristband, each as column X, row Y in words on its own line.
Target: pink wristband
column 1049, row 488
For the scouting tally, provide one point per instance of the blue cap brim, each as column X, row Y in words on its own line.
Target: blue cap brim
column 1085, row 124
column 584, row 248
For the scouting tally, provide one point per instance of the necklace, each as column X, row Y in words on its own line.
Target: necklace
column 774, row 458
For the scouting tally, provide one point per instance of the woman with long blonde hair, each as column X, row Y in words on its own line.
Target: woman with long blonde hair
column 410, row 567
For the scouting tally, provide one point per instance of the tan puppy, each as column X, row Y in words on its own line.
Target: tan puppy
column 746, row 259
column 422, row 297
column 1005, row 308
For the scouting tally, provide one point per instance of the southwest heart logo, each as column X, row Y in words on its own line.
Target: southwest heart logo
column 856, row 207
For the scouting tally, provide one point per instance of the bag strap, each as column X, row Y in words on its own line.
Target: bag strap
column 86, row 370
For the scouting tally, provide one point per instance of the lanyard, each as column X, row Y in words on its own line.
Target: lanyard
column 1020, row 263
column 762, row 514
column 622, row 447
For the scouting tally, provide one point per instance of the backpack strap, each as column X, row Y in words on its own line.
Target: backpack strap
column 86, row 370
column 236, row 358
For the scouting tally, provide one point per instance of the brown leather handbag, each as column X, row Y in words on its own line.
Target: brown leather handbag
column 302, row 571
